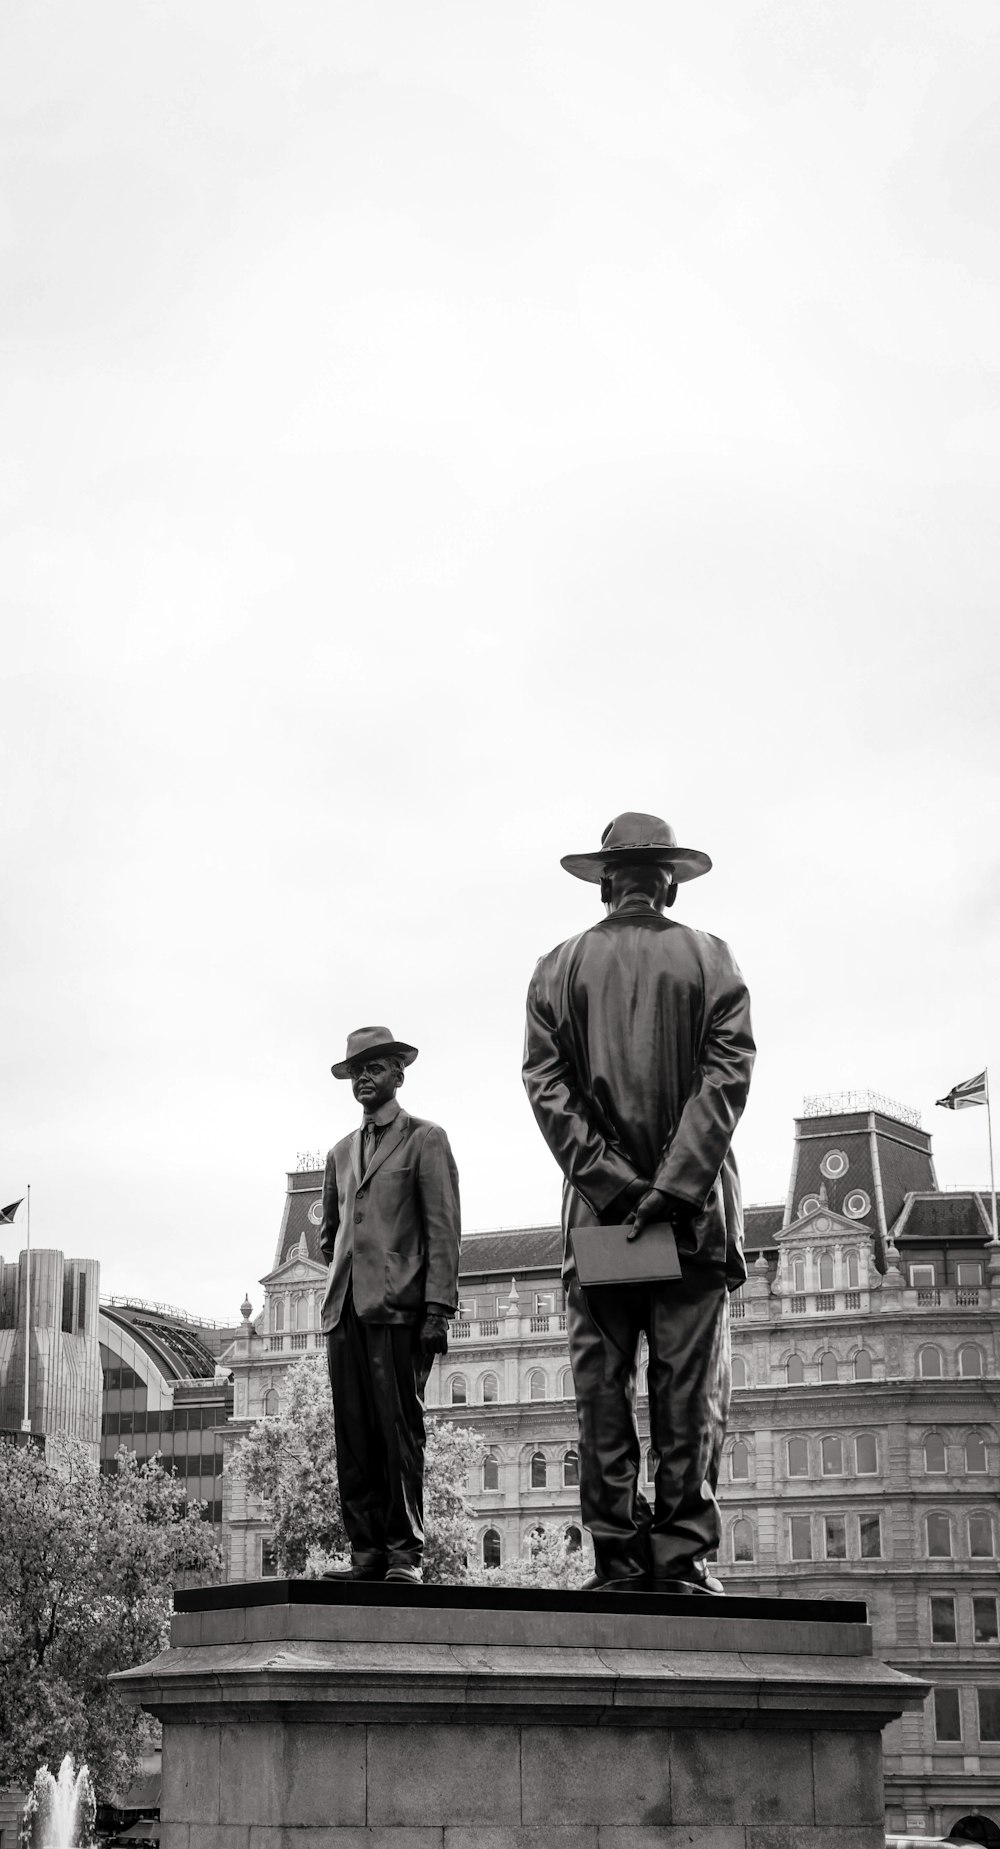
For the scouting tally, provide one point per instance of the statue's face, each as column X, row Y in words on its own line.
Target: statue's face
column 374, row 1082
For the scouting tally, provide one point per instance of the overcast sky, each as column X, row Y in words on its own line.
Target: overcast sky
column 428, row 429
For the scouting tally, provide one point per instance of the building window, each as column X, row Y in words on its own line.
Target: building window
column 975, row 1453
column 828, row 1366
column 491, row 1472
column 943, row 1619
column 938, row 1537
column 536, row 1386
column 935, row 1462
column 922, row 1277
column 459, row 1392
column 800, row 1536
column 277, row 1314
column 947, row 1715
column 574, row 1539
column 67, row 1301
column 989, row 1713
column 862, row 1365
column 268, row 1559
column 271, row 1403
column 929, row 1363
column 739, row 1462
column 486, row 1309
column 835, row 1537
column 539, row 1472
column 566, row 1384
column 970, row 1362
column 571, row 1470
column 798, row 1457
column 739, row 1371
column 491, row 1548
column 833, row 1457
column 866, row 1455
column 852, row 1270
column 491, row 1390
column 795, row 1372
column 798, row 1274
column 826, row 1271
column 743, row 1540
column 980, row 1537
column 984, row 1618
column 545, row 1303
column 651, row 1462
column 870, row 1537
column 968, row 1276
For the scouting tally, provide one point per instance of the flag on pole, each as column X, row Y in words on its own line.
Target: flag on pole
column 962, row 1097
column 7, row 1213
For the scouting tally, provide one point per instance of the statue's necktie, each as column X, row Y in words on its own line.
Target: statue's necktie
column 368, row 1146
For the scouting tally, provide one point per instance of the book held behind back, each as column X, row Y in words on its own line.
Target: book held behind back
column 606, row 1255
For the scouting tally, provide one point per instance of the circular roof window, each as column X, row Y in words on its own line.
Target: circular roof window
column 857, row 1205
column 834, row 1164
column 810, row 1203
column 316, row 1212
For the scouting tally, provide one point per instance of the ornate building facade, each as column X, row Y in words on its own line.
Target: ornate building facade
column 863, row 1455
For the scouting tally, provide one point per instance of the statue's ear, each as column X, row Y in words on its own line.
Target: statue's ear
column 671, row 894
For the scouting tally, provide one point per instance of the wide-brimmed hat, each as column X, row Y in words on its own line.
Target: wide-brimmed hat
column 642, row 838
column 370, row 1043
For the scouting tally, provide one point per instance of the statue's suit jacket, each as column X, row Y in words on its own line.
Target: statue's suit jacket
column 398, row 1229
column 637, row 1060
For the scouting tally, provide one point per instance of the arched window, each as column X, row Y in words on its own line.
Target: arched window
column 491, row 1548
column 980, row 1537
column 574, row 1539
column 935, row 1462
column 298, row 1319
column 826, row 1271
column 491, row 1472
column 566, row 1384
column 795, row 1372
column 929, row 1363
column 571, row 1471
column 851, row 1269
column 970, row 1362
column 798, row 1273
column 866, row 1455
column 651, row 1462
column 277, row 1314
column 828, row 1366
column 742, row 1539
column 975, row 1453
column 271, row 1403
column 938, row 1537
column 539, row 1472
column 798, row 1457
column 459, row 1390
column 491, row 1390
column 862, row 1365
column 536, row 1385
column 833, row 1457
column 739, row 1371
column 739, row 1462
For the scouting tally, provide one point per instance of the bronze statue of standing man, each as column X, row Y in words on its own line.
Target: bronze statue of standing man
column 637, row 1063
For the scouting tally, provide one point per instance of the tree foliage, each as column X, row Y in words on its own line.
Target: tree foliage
column 291, row 1463
column 547, row 1564
column 87, row 1569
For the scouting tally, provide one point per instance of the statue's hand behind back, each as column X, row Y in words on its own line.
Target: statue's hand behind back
column 655, row 1207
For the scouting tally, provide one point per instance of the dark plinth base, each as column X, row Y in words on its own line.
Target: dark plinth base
column 309, row 1715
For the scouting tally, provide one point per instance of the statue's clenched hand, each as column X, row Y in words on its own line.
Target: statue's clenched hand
column 655, row 1207
column 433, row 1333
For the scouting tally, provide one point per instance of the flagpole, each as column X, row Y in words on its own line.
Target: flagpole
column 993, row 1185
column 26, row 1420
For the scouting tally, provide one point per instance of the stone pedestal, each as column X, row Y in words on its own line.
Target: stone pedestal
column 304, row 1715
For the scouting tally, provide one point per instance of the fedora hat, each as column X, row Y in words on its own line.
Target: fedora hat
column 637, row 837
column 372, row 1043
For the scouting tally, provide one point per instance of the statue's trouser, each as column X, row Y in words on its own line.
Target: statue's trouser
column 686, row 1323
column 378, row 1380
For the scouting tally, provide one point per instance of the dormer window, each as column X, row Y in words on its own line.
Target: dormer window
column 922, row 1277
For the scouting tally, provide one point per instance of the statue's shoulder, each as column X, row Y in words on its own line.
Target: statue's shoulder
column 341, row 1148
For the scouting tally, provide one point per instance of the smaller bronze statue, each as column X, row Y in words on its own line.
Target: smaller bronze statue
column 390, row 1233
column 637, row 1061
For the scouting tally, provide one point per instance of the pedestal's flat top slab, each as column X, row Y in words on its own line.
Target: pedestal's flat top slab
column 241, row 1594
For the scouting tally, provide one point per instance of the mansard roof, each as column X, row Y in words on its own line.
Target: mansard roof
column 514, row 1251
column 962, row 1214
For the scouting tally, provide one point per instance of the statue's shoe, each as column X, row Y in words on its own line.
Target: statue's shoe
column 405, row 1575
column 354, row 1573
column 626, row 1582
column 695, row 1578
